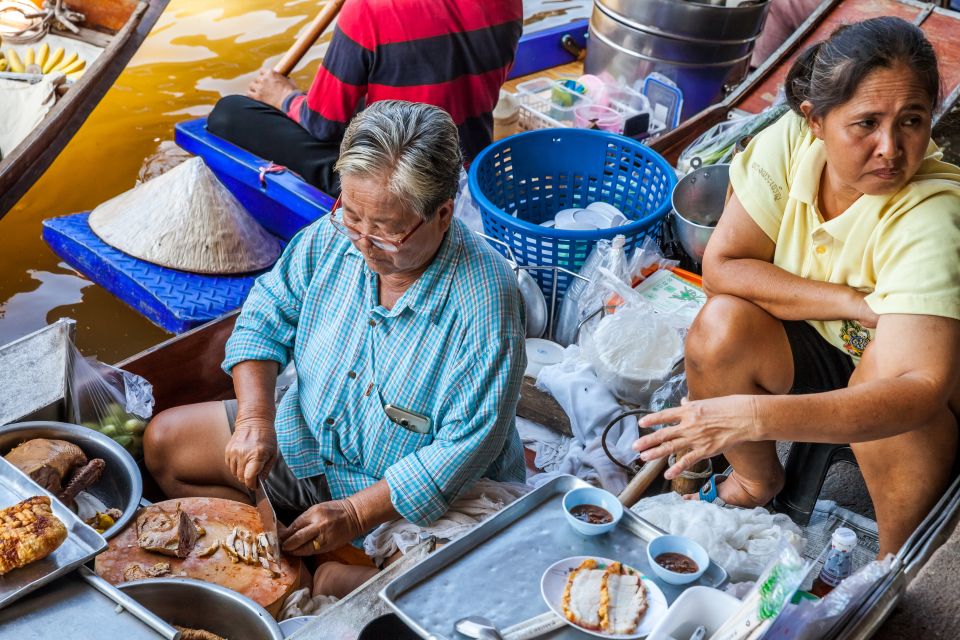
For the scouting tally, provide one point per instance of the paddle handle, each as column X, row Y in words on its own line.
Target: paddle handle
column 644, row 478
column 299, row 49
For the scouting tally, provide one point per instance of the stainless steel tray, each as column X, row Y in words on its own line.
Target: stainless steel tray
column 81, row 606
column 495, row 569
column 81, row 545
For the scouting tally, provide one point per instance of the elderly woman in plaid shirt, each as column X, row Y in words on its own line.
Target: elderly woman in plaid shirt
column 387, row 301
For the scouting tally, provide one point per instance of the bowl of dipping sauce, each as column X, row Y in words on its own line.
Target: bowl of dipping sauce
column 677, row 559
column 592, row 511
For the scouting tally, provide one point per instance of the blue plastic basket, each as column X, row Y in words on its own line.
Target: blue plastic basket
column 523, row 180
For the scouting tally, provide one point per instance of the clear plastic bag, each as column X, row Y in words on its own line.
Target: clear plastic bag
column 575, row 307
column 718, row 143
column 465, row 207
column 112, row 401
column 810, row 620
column 769, row 596
column 634, row 349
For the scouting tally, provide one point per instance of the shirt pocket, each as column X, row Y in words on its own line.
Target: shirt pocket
column 376, row 442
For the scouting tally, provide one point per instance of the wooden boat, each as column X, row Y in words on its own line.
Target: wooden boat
column 119, row 27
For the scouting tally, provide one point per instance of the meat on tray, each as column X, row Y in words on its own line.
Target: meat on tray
column 172, row 534
column 28, row 532
column 58, row 466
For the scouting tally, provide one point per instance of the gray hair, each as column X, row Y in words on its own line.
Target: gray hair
column 416, row 146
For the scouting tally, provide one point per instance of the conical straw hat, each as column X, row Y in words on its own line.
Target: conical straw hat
column 185, row 219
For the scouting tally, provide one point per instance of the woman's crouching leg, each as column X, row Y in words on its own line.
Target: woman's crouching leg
column 906, row 475
column 183, row 448
column 735, row 347
column 339, row 579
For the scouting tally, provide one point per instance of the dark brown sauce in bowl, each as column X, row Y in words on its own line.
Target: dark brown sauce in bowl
column 676, row 562
column 591, row 514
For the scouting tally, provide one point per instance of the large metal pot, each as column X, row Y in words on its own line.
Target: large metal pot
column 698, row 201
column 202, row 605
column 120, row 486
column 702, row 48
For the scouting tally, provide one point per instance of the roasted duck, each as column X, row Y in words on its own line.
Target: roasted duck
column 28, row 532
column 58, row 466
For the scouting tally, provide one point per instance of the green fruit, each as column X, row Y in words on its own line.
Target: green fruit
column 124, row 441
column 91, row 425
column 108, row 430
column 134, row 426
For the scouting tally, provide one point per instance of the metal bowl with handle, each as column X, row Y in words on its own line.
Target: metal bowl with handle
column 698, row 201
column 203, row 605
column 120, row 486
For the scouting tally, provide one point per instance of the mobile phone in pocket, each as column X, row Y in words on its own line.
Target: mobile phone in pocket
column 407, row 419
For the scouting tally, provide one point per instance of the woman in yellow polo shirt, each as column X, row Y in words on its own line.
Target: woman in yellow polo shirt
column 834, row 283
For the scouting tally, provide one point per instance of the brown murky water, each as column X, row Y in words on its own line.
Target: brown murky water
column 198, row 51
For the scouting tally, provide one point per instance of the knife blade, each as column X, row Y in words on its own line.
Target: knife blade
column 268, row 519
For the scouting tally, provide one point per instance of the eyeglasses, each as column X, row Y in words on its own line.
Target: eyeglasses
column 390, row 246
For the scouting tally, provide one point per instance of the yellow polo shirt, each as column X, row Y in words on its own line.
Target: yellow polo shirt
column 903, row 248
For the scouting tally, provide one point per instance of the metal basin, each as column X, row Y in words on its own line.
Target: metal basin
column 202, row 605
column 698, row 201
column 120, row 486
column 704, row 49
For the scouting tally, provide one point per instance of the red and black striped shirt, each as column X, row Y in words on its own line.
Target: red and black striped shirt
column 454, row 54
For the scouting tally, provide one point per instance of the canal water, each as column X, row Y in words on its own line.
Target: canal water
column 198, row 51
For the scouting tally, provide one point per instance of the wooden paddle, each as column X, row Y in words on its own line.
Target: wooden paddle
column 310, row 36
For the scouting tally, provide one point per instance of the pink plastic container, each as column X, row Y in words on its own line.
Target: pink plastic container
column 592, row 116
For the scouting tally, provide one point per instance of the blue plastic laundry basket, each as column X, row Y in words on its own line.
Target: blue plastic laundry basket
column 523, row 180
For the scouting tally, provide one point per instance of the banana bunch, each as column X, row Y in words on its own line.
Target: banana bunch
column 46, row 61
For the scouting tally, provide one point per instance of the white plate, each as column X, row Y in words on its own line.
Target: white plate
column 541, row 353
column 565, row 216
column 554, row 581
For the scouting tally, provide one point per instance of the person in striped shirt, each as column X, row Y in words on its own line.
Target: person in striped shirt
column 387, row 302
column 448, row 53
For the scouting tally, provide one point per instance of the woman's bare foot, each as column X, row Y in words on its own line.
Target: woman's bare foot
column 338, row 579
column 738, row 492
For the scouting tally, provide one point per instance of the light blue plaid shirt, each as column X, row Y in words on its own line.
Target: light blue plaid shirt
column 452, row 348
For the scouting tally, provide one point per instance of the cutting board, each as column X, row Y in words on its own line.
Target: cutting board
column 218, row 517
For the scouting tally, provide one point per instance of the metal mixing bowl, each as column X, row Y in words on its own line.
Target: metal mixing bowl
column 203, row 605
column 120, row 486
column 698, row 201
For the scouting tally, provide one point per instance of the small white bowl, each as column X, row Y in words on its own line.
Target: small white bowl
column 577, row 226
column 606, row 208
column 541, row 353
column 597, row 497
column 677, row 544
column 565, row 216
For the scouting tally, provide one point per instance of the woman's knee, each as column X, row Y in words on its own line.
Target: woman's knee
column 720, row 332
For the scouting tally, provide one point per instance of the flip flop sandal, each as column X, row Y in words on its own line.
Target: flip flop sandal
column 708, row 492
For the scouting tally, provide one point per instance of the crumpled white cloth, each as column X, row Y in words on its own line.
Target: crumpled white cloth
column 590, row 407
column 23, row 106
column 479, row 502
column 299, row 603
column 742, row 541
column 550, row 447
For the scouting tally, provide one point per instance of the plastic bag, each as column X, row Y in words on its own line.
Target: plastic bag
column 718, row 143
column 575, row 307
column 465, row 207
column 633, row 350
column 768, row 597
column 112, row 401
column 810, row 620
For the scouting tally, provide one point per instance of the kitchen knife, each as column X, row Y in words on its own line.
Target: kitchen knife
column 268, row 518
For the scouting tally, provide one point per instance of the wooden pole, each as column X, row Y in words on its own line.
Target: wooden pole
column 649, row 472
column 299, row 49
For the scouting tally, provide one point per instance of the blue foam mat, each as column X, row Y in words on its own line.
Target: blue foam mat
column 174, row 300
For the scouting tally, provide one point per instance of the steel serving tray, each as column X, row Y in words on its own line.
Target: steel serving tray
column 80, row 606
column 495, row 570
column 82, row 543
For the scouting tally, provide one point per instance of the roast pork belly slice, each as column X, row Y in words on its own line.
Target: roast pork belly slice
column 581, row 598
column 172, row 534
column 622, row 601
column 50, row 463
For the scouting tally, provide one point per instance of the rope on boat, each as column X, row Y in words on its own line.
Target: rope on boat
column 53, row 12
